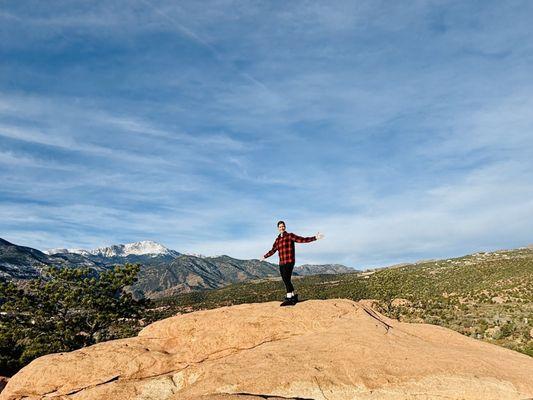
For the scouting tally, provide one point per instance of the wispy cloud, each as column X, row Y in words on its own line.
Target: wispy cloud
column 401, row 131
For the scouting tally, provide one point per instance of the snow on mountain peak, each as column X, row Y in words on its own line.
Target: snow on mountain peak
column 144, row 247
column 64, row 251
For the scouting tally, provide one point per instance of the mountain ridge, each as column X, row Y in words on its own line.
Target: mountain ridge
column 164, row 272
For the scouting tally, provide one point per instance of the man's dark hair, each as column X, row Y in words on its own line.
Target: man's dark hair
column 281, row 222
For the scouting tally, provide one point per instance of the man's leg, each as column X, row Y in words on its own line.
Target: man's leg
column 286, row 271
column 293, row 296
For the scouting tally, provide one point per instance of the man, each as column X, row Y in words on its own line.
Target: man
column 284, row 244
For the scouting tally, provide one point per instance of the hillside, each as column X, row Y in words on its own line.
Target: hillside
column 20, row 262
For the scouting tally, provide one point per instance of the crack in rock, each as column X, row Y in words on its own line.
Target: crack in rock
column 171, row 372
column 268, row 396
column 387, row 326
column 319, row 387
column 55, row 392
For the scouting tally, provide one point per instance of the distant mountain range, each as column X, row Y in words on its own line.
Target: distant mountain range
column 164, row 272
column 19, row 262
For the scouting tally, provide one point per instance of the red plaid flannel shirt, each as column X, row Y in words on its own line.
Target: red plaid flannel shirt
column 285, row 246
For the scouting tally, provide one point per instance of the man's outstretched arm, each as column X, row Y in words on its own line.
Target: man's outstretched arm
column 272, row 250
column 301, row 239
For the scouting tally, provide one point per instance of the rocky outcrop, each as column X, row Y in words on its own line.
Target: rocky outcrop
column 319, row 349
column 399, row 302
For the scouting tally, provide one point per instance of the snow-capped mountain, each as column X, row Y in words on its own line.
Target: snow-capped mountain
column 67, row 251
column 144, row 248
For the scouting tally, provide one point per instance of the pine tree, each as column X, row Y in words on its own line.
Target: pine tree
column 63, row 310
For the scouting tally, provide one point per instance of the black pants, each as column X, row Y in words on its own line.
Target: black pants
column 286, row 272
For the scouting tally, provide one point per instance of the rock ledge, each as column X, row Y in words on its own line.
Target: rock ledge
column 319, row 349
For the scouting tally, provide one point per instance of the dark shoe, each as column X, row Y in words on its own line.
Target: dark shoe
column 287, row 302
column 295, row 298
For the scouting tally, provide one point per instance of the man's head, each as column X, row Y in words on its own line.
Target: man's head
column 281, row 226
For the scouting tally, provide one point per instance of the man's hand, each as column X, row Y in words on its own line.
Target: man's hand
column 319, row 236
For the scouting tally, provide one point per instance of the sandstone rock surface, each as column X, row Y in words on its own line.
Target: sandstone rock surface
column 319, row 349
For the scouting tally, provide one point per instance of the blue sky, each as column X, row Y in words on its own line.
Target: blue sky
column 400, row 130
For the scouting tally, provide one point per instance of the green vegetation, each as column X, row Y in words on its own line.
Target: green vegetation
column 66, row 309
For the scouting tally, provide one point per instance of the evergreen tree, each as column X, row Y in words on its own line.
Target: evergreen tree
column 65, row 309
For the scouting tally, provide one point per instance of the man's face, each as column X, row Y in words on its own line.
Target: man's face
column 281, row 228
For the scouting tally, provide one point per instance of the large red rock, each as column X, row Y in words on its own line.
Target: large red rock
column 319, row 349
